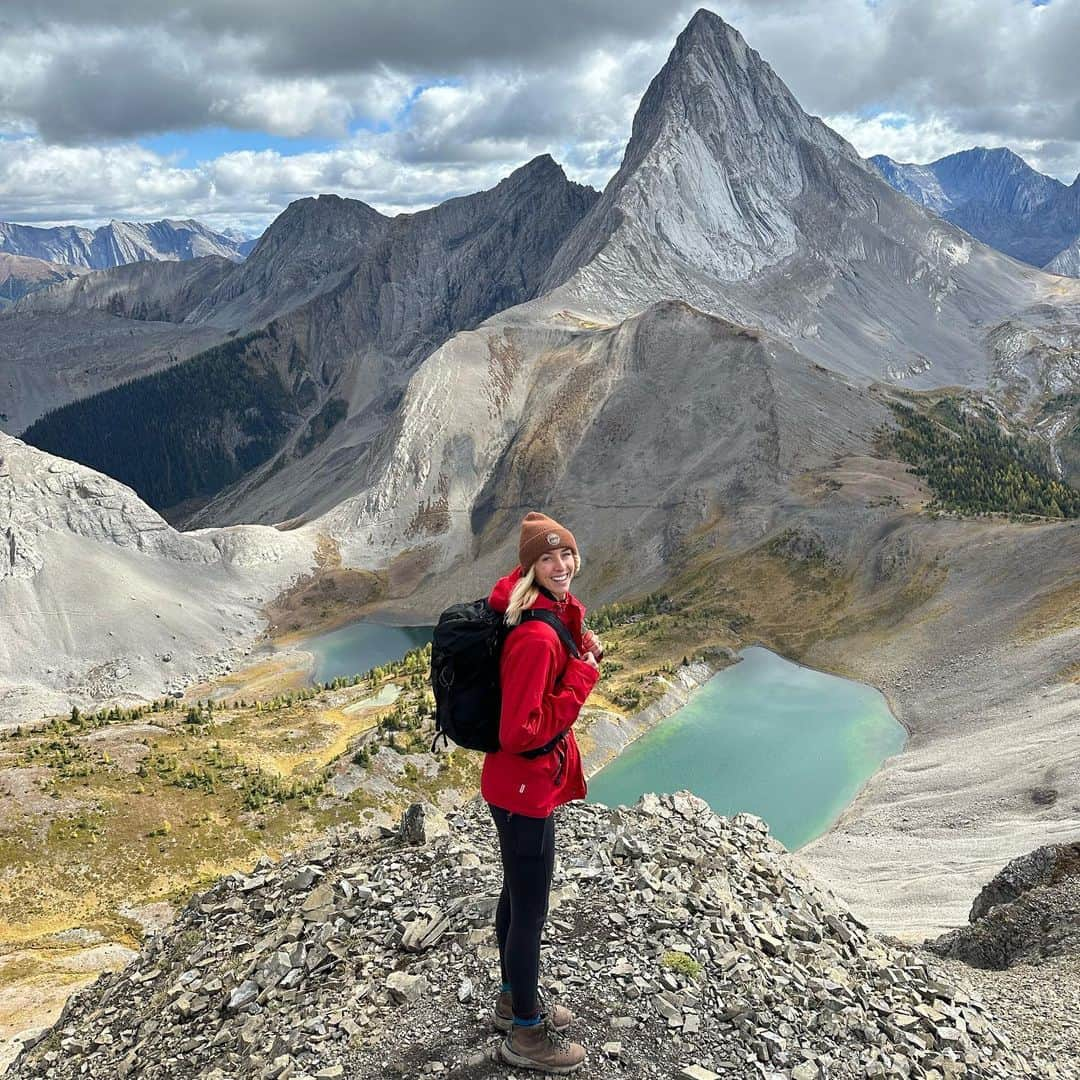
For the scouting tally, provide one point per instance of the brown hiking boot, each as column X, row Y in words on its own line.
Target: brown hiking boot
column 541, row 1047
column 503, row 1015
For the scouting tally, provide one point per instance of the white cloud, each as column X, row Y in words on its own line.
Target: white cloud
column 245, row 189
column 903, row 138
column 79, row 183
column 295, row 107
column 424, row 103
column 899, row 136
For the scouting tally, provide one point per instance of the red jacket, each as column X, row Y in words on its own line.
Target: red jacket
column 540, row 698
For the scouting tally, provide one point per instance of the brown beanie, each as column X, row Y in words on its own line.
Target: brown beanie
column 539, row 533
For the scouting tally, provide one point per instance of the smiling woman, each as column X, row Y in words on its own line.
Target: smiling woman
column 536, row 769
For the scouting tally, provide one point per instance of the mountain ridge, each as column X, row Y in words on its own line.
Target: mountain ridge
column 996, row 196
column 21, row 275
column 389, row 291
column 120, row 242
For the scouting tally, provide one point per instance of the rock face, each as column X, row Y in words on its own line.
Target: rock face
column 998, row 198
column 103, row 601
column 118, row 242
column 733, row 199
column 680, row 940
column 1028, row 912
column 20, row 275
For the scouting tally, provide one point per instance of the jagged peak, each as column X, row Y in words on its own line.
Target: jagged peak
column 997, row 155
column 540, row 162
column 541, row 168
column 725, row 52
column 716, row 84
column 706, row 28
column 321, row 207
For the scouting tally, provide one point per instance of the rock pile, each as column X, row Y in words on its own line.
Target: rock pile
column 684, row 943
column 1028, row 912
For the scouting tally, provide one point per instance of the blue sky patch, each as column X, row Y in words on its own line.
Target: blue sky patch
column 205, row 144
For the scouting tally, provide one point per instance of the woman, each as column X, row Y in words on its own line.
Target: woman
column 543, row 689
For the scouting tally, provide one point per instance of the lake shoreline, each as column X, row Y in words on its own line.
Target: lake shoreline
column 760, row 728
column 990, row 728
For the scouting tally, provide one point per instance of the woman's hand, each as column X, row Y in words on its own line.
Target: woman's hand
column 589, row 659
column 591, row 645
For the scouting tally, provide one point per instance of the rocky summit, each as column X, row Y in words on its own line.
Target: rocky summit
column 686, row 944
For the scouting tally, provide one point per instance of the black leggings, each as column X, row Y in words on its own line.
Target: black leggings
column 527, row 847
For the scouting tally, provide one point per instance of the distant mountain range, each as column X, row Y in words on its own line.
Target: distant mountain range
column 1000, row 199
column 122, row 242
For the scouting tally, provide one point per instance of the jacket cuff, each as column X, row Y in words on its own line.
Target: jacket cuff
column 580, row 674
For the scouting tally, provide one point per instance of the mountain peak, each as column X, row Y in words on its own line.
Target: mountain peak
column 987, row 157
column 541, row 165
column 704, row 26
column 996, row 196
column 719, row 152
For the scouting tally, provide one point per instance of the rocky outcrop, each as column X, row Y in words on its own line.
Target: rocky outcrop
column 1030, row 911
column 683, row 942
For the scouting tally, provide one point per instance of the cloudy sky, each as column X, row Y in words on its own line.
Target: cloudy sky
column 227, row 110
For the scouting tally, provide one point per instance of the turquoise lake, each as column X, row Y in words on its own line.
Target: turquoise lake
column 785, row 742
column 767, row 736
column 360, row 646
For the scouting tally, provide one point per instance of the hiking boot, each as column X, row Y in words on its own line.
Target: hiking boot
column 503, row 1016
column 541, row 1047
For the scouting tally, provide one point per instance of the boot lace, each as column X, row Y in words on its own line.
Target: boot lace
column 557, row 1038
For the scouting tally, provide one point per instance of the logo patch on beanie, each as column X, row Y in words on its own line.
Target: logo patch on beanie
column 553, row 538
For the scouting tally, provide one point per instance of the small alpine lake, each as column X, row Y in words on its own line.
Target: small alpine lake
column 767, row 736
column 357, row 647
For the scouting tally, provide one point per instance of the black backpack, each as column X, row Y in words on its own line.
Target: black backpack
column 465, row 651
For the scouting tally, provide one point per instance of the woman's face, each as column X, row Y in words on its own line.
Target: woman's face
column 554, row 569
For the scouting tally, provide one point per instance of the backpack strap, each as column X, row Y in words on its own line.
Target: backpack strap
column 557, row 625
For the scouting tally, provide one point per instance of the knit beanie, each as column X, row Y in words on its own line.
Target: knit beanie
column 539, row 533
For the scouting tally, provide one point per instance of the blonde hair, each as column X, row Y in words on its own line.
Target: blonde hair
column 525, row 591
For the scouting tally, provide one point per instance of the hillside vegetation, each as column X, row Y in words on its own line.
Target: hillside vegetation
column 974, row 467
column 182, row 433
